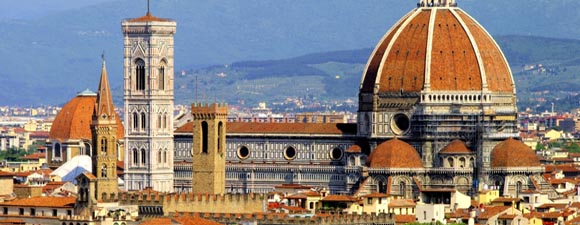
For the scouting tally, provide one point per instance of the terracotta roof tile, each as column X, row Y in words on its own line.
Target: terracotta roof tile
column 395, row 153
column 513, row 153
column 492, row 211
column 354, row 149
column 402, row 203
column 6, row 174
column 400, row 56
column 339, row 198
column 148, row 18
column 455, row 147
column 375, row 195
column 405, row 219
column 281, row 128
column 73, row 121
column 34, row 156
column 54, row 202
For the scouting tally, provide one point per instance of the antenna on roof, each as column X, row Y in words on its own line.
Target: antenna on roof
column 148, row 12
column 103, row 56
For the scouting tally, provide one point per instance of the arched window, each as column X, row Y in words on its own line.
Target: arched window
column 57, row 150
column 165, row 156
column 518, row 188
column 162, row 75
column 143, row 156
column 158, row 121
column 220, row 138
column 143, row 121
column 159, row 156
column 462, row 162
column 135, row 121
column 103, row 146
column 204, row 137
column 164, row 121
column 140, row 74
column 402, row 189
column 450, row 160
column 104, row 170
column 135, row 157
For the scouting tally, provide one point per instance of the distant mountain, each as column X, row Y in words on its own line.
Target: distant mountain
column 49, row 59
column 334, row 76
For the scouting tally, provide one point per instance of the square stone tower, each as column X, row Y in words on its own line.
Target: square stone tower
column 208, row 151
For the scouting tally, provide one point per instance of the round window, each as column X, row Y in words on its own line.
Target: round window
column 290, row 153
column 336, row 154
column 400, row 123
column 243, row 152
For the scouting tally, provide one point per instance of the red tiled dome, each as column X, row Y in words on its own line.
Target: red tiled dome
column 395, row 153
column 513, row 153
column 441, row 48
column 455, row 147
column 74, row 119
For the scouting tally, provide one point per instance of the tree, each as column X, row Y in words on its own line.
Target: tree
column 540, row 147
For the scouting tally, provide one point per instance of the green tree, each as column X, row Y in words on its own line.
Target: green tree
column 540, row 147
column 573, row 147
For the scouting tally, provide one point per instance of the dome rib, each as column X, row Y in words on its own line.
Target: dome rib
column 497, row 71
column 374, row 61
column 405, row 50
column 437, row 49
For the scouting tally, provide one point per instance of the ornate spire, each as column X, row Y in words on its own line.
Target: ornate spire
column 104, row 104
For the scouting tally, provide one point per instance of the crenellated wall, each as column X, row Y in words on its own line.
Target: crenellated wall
column 207, row 203
column 334, row 219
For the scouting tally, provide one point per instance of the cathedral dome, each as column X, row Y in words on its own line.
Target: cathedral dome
column 74, row 119
column 513, row 153
column 395, row 153
column 455, row 147
column 437, row 49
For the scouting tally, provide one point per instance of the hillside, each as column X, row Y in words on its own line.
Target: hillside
column 46, row 60
column 334, row 76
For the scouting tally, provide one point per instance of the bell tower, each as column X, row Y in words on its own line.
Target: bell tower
column 104, row 135
column 208, row 151
column 148, row 94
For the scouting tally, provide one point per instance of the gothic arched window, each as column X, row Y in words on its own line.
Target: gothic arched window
column 204, row 136
column 140, row 74
column 162, row 66
column 143, row 156
column 159, row 156
column 135, row 157
column 143, row 121
column 402, row 189
column 103, row 146
column 165, row 156
column 135, row 121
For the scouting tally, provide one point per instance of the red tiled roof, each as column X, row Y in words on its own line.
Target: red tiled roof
column 401, row 203
column 490, row 211
column 194, row 220
column 563, row 168
column 455, row 147
column 339, row 198
column 34, row 156
column 405, row 219
column 74, row 120
column 54, row 202
column 395, row 153
column 513, row 153
column 281, row 128
column 456, row 55
column 148, row 18
column 6, row 174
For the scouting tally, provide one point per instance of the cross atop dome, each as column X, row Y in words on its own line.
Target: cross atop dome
column 437, row 3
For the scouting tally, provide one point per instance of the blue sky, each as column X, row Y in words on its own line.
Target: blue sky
column 29, row 9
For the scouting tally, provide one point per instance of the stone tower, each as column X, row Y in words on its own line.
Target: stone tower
column 208, row 151
column 148, row 95
column 104, row 138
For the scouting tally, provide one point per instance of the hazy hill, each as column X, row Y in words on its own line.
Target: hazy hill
column 333, row 76
column 50, row 58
